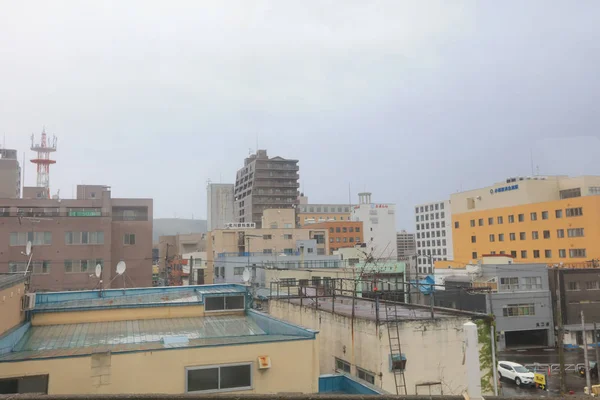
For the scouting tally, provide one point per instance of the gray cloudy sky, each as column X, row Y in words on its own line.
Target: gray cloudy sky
column 411, row 100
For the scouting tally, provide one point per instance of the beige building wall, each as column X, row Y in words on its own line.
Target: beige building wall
column 295, row 368
column 529, row 191
column 434, row 349
column 10, row 179
column 10, row 307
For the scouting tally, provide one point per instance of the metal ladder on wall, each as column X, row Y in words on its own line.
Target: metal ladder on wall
column 391, row 317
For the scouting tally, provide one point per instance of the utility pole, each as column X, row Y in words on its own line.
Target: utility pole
column 585, row 356
column 559, row 320
column 167, row 266
column 597, row 358
column 493, row 342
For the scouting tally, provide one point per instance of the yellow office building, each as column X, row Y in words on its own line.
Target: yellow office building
column 550, row 219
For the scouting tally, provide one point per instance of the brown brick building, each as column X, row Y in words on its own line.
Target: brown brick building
column 71, row 236
column 341, row 233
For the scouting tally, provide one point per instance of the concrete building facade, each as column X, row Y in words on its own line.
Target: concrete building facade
column 379, row 226
column 433, row 234
column 579, row 292
column 406, row 245
column 359, row 344
column 542, row 219
column 119, row 342
column 342, row 234
column 71, row 236
column 220, row 205
column 264, row 183
column 10, row 174
column 317, row 213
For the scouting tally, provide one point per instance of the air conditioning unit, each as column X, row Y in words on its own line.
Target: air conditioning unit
column 28, row 302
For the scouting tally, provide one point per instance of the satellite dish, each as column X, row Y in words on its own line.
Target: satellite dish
column 121, row 267
column 28, row 248
column 246, row 275
column 98, row 270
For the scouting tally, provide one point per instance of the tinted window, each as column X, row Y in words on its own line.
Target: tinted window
column 234, row 303
column 214, row 303
column 203, row 379
column 235, row 377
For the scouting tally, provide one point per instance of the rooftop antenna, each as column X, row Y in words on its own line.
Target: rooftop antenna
column 43, row 161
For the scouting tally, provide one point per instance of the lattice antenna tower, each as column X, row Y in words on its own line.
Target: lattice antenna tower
column 43, row 161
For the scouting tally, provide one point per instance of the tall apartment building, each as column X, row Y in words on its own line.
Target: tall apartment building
column 379, row 226
column 264, row 183
column 71, row 236
column 542, row 219
column 10, row 175
column 220, row 205
column 434, row 234
column 406, row 245
column 316, row 213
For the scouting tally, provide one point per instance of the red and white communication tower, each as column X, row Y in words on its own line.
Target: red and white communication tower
column 43, row 161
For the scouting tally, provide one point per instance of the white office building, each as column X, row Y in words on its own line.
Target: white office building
column 220, row 205
column 433, row 223
column 379, row 226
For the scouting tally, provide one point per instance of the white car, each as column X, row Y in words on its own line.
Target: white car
column 515, row 372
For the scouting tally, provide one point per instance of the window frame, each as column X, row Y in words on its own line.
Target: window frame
column 218, row 367
column 224, row 303
column 366, row 373
column 344, row 363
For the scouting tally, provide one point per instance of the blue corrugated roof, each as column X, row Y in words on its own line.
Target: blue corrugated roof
column 70, row 340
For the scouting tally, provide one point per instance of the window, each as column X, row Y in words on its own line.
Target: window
column 238, row 271
column 68, row 266
column 544, row 214
column 473, row 239
column 40, row 267
column 522, row 236
column 592, row 285
column 500, row 220
column 288, row 236
column 593, row 190
column 342, row 366
column 345, row 240
column 577, row 253
column 513, row 253
column 535, row 235
column 345, row 230
column 562, row 253
column 443, row 214
column 523, row 253
column 492, row 238
column 456, row 225
column 351, row 229
column 560, row 233
column 575, row 232
column 512, row 236
column 129, row 238
column 501, row 237
column 521, row 217
column 474, row 255
column 533, row 216
column 472, row 223
column 573, row 286
column 36, row 238
column 24, row 384
column 365, row 375
column 224, row 303
column 357, row 229
column 546, row 234
column 288, row 252
column 337, row 239
column 231, row 377
column 532, row 283
column 510, row 283
column 338, row 230
column 480, row 222
column 558, row 213
column 548, row 253
column 570, row 193
column 536, row 254
column 84, row 237
column 518, row 310
column 491, row 221
column 574, row 212
column 267, row 251
column 511, row 219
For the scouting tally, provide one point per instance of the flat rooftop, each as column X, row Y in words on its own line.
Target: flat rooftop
column 72, row 340
column 131, row 298
column 366, row 309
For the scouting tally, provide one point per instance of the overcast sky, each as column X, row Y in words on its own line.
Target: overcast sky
column 411, row 100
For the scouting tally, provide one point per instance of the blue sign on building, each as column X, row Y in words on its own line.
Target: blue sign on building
column 504, row 189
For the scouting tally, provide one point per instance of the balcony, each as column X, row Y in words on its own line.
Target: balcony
column 266, row 183
column 288, row 176
column 282, row 201
column 276, row 166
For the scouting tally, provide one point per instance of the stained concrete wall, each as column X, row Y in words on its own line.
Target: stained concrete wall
column 434, row 349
